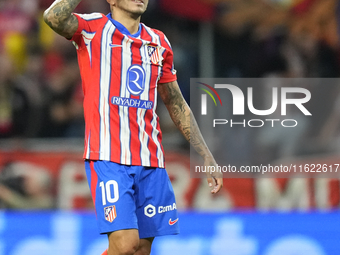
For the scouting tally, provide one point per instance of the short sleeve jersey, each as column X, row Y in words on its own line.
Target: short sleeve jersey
column 120, row 74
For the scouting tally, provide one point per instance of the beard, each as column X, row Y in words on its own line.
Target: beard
column 131, row 8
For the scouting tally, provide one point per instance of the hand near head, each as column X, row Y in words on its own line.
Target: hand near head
column 215, row 179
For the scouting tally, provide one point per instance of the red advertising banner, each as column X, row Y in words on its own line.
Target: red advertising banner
column 69, row 188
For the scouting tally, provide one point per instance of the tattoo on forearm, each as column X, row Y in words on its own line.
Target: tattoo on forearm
column 59, row 17
column 183, row 117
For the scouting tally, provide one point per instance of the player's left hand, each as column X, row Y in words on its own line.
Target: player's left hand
column 215, row 179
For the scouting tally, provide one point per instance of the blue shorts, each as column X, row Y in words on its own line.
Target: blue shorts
column 132, row 197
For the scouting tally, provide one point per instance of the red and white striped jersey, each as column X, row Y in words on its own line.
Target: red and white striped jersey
column 120, row 74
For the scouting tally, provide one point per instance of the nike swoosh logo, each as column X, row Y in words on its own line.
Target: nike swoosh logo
column 115, row 45
column 172, row 222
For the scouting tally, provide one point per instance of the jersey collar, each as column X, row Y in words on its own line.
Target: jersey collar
column 123, row 29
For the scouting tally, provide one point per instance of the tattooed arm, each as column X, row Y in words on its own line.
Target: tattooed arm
column 185, row 121
column 60, row 18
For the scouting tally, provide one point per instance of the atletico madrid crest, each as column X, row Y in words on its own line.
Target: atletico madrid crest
column 154, row 54
column 110, row 213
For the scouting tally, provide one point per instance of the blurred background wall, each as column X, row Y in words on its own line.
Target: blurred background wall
column 42, row 127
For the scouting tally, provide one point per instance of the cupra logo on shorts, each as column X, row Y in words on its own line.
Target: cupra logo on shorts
column 150, row 210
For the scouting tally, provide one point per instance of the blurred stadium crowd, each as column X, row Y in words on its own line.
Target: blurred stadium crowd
column 40, row 92
column 40, row 86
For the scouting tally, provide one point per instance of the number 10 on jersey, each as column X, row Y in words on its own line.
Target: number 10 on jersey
column 106, row 191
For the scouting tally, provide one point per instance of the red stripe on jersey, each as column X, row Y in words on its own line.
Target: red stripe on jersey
column 160, row 135
column 116, row 72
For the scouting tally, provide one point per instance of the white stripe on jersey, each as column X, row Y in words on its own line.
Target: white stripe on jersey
column 87, row 37
column 104, row 100
column 91, row 16
column 125, row 133
column 167, row 41
column 155, row 132
column 88, row 146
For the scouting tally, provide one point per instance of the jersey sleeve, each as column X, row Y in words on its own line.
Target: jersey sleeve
column 86, row 23
column 168, row 70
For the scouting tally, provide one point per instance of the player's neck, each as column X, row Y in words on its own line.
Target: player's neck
column 129, row 22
